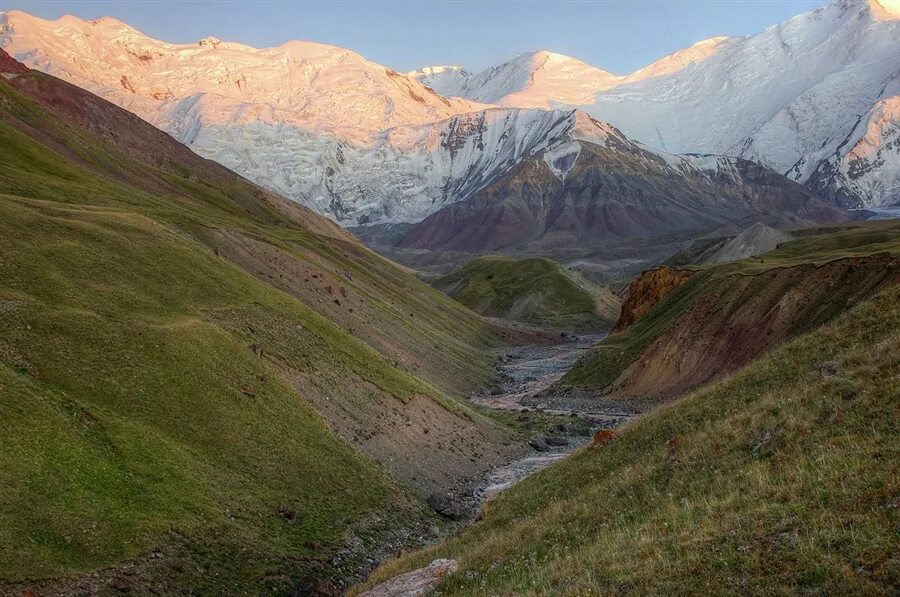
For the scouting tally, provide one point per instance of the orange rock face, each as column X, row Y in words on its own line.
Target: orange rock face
column 646, row 291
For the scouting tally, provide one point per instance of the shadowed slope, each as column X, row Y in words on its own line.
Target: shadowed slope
column 621, row 190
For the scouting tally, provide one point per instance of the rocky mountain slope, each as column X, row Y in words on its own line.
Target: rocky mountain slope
column 206, row 384
column 755, row 240
column 725, row 316
column 778, row 478
column 797, row 97
column 290, row 117
column 534, row 290
column 586, row 190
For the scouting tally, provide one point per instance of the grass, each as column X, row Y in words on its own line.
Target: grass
column 536, row 291
column 49, row 158
column 137, row 417
column 606, row 362
column 780, row 479
column 125, row 411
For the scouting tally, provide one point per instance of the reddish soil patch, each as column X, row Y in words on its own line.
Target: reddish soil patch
column 603, row 437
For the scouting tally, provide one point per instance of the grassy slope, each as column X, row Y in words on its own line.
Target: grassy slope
column 123, row 409
column 533, row 290
column 781, row 479
column 421, row 329
column 614, row 354
column 134, row 413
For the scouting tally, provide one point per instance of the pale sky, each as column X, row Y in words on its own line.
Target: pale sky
column 616, row 35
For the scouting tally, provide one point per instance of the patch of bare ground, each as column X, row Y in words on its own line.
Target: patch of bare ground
column 419, row 441
column 416, row 583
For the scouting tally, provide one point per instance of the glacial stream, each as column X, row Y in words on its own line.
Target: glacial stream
column 525, row 372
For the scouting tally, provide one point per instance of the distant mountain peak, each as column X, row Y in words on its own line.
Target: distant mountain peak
column 885, row 9
column 439, row 69
column 183, row 87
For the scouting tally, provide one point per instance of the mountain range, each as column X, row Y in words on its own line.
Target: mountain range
column 814, row 99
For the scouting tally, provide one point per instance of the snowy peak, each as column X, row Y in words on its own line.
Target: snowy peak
column 789, row 97
column 316, row 86
column 541, row 79
column 445, row 80
column 673, row 63
column 814, row 98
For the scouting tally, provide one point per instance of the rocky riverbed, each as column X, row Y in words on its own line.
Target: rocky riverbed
column 526, row 372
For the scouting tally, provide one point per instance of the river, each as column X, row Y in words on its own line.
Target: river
column 526, row 371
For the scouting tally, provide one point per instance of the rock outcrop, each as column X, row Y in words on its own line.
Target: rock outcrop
column 416, row 583
column 646, row 291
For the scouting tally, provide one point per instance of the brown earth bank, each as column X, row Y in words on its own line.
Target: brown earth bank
column 646, row 291
column 728, row 322
column 744, row 316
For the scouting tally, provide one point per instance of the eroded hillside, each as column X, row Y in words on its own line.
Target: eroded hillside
column 723, row 317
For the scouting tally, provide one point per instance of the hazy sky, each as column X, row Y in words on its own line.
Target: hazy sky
column 617, row 35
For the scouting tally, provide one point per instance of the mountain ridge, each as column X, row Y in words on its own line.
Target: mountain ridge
column 582, row 193
column 293, row 142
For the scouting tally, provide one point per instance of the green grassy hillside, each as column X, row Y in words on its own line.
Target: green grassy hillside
column 186, row 362
column 832, row 271
column 534, row 290
column 779, row 480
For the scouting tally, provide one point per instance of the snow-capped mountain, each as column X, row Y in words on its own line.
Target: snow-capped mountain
column 359, row 142
column 184, row 87
column 446, row 80
column 867, row 162
column 790, row 97
column 541, row 79
column 398, row 175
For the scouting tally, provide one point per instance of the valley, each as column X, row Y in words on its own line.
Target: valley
column 705, row 467
column 284, row 320
column 158, row 364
